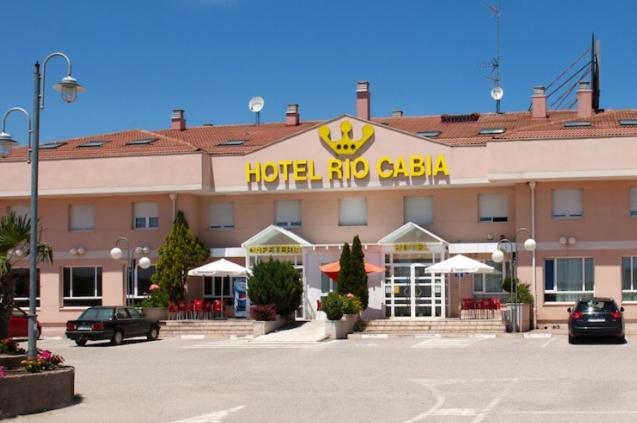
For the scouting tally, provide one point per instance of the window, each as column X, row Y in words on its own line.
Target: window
column 492, row 131
column 493, row 207
column 81, row 217
column 144, row 141
column 21, row 296
column 21, row 210
column 327, row 284
column 352, row 211
column 629, row 278
column 146, row 215
column 418, row 210
column 138, row 287
column 633, row 201
column 428, row 134
column 568, row 279
column 221, row 216
column 567, row 203
column 82, row 286
column 490, row 284
column 218, row 288
column 287, row 213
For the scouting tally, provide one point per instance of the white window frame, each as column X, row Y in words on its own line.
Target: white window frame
column 146, row 218
column 95, row 285
column 482, row 279
column 560, row 216
column 213, row 294
column 211, row 214
column 79, row 229
column 427, row 198
column 136, row 294
column 633, row 283
column 484, row 218
column 632, row 201
column 281, row 223
column 362, row 222
column 582, row 293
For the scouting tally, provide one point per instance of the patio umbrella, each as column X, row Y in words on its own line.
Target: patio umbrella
column 332, row 269
column 459, row 264
column 221, row 267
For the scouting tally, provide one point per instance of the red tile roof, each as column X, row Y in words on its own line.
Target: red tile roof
column 517, row 125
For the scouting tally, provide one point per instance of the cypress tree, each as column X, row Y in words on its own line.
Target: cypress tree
column 357, row 272
column 344, row 281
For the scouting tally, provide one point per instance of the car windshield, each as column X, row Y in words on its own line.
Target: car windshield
column 97, row 314
column 592, row 306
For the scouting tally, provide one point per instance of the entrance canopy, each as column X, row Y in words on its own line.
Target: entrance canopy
column 413, row 238
column 459, row 264
column 275, row 240
column 221, row 267
column 332, row 269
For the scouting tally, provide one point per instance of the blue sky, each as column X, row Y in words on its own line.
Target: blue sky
column 140, row 59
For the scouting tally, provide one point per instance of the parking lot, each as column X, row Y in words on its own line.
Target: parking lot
column 470, row 379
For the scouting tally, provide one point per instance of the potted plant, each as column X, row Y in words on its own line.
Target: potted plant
column 155, row 305
column 335, row 306
column 520, row 302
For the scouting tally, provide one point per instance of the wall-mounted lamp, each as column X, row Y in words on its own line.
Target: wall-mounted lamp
column 77, row 251
column 489, row 237
column 568, row 240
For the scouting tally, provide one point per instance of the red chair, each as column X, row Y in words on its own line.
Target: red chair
column 469, row 304
column 190, row 311
column 485, row 308
column 217, row 309
column 173, row 310
column 318, row 305
column 197, row 307
column 207, row 309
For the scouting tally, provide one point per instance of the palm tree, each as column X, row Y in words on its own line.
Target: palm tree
column 15, row 232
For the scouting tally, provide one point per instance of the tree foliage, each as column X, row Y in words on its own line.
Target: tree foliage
column 352, row 277
column 180, row 252
column 15, row 233
column 276, row 282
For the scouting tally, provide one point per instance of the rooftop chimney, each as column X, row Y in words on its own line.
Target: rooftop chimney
column 178, row 120
column 362, row 100
column 397, row 113
column 538, row 103
column 292, row 115
column 584, row 100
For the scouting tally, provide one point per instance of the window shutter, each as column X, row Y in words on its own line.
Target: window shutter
column 146, row 209
column 287, row 212
column 221, row 215
column 419, row 210
column 82, row 217
column 633, row 201
column 353, row 211
column 567, row 203
column 493, row 207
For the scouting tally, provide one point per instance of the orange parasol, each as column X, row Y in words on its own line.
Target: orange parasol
column 332, row 269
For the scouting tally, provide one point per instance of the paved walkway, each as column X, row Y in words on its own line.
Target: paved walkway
column 312, row 331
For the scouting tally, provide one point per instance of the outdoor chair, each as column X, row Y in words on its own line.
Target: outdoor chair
column 173, row 310
column 217, row 309
column 197, row 306
column 207, row 309
column 469, row 304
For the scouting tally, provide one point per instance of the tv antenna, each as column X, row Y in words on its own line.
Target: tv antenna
column 497, row 92
column 256, row 105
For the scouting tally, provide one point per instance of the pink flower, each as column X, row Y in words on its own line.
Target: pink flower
column 350, row 295
column 2, row 374
column 153, row 287
column 45, row 355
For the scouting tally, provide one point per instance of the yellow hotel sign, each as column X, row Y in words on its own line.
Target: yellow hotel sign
column 275, row 249
column 410, row 246
column 344, row 169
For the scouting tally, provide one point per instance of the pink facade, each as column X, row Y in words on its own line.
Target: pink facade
column 467, row 195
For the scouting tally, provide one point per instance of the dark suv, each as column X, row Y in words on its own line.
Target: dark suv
column 111, row 323
column 595, row 317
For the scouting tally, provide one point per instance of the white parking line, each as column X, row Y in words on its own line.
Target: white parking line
column 544, row 345
column 216, row 417
column 447, row 343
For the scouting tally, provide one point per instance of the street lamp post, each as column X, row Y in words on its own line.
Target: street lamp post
column 131, row 262
column 69, row 88
column 498, row 257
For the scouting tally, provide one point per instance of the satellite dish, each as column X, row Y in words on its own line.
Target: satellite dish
column 497, row 93
column 256, row 104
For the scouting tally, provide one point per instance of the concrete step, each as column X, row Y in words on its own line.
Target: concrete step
column 209, row 328
column 451, row 326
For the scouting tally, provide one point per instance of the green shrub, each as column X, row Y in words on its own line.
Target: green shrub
column 509, row 284
column 278, row 283
column 523, row 294
column 335, row 305
column 353, row 304
column 265, row 312
column 352, row 277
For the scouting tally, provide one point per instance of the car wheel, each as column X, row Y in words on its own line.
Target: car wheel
column 153, row 333
column 80, row 342
column 117, row 338
column 572, row 340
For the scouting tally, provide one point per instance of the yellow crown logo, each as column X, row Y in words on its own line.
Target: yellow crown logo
column 346, row 146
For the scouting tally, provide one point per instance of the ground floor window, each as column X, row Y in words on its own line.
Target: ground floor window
column 629, row 278
column 21, row 295
column 82, row 286
column 139, row 282
column 218, row 288
column 568, row 279
column 490, row 284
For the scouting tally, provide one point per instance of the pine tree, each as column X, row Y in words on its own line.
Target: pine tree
column 180, row 252
column 276, row 282
column 344, row 281
column 357, row 272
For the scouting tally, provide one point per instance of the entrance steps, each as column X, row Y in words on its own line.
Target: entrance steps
column 448, row 327
column 219, row 329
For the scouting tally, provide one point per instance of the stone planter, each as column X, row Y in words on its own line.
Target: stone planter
column 25, row 393
column 11, row 361
column 264, row 327
column 518, row 317
column 352, row 320
column 156, row 313
column 336, row 329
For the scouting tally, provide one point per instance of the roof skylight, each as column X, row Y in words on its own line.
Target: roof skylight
column 628, row 122
column 492, row 131
column 577, row 123
column 51, row 145
column 428, row 134
column 233, row 142
column 96, row 143
column 143, row 141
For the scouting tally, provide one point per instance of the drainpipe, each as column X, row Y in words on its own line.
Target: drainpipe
column 173, row 198
column 533, row 276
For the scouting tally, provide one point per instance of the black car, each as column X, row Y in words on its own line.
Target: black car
column 111, row 323
column 595, row 317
